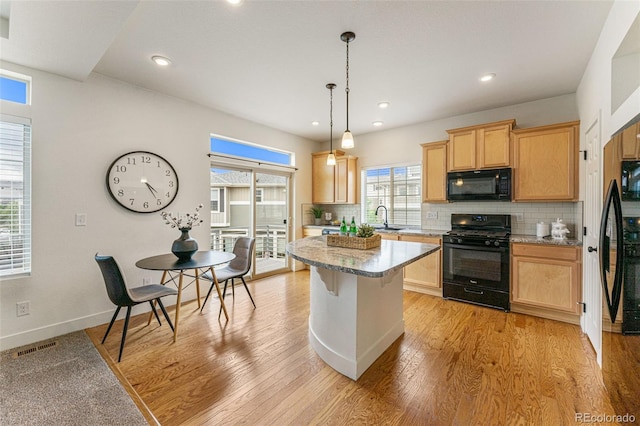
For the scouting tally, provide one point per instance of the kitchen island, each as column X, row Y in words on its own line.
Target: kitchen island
column 356, row 299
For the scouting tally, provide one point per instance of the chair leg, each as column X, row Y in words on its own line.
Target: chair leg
column 111, row 324
column 224, row 294
column 248, row 292
column 124, row 332
column 164, row 311
column 207, row 298
column 153, row 308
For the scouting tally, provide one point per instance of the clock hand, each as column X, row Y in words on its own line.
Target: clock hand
column 153, row 191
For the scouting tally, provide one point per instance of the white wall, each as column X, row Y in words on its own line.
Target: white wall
column 79, row 128
column 402, row 145
column 594, row 92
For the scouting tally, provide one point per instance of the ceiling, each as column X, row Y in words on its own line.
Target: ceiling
column 269, row 61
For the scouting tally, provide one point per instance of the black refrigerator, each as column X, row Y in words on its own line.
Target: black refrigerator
column 620, row 263
column 619, row 252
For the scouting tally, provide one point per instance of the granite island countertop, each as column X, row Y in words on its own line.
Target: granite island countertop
column 376, row 262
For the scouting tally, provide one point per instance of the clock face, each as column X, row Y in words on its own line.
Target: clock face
column 142, row 182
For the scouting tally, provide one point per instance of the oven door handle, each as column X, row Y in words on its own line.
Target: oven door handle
column 466, row 290
column 477, row 248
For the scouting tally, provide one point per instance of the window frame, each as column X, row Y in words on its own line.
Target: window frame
column 20, row 78
column 24, row 222
column 393, row 192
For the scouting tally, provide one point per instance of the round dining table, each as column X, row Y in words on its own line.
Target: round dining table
column 201, row 262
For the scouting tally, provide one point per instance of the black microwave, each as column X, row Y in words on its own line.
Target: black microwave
column 630, row 184
column 479, row 185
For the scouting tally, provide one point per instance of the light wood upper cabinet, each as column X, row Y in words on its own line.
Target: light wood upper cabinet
column 546, row 163
column 547, row 277
column 334, row 184
column 485, row 146
column 434, row 172
column 630, row 142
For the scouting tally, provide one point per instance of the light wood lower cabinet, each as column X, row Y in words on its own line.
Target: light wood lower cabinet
column 311, row 232
column 424, row 275
column 546, row 281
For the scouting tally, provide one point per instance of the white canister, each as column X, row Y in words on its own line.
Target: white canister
column 542, row 229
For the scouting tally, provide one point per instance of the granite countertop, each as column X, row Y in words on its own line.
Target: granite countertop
column 374, row 263
column 403, row 231
column 532, row 239
column 515, row 238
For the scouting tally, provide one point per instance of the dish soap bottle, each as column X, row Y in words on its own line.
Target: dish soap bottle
column 353, row 230
column 343, row 227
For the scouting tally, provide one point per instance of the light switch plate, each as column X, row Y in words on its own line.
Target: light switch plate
column 81, row 219
column 432, row 215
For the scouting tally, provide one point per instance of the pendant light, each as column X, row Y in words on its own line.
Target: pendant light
column 331, row 159
column 347, row 137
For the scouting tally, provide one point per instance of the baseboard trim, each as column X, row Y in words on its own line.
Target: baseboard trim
column 52, row 330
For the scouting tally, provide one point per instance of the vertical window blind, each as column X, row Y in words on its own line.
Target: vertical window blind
column 396, row 188
column 15, row 196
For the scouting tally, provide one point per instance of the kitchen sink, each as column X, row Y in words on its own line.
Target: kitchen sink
column 387, row 228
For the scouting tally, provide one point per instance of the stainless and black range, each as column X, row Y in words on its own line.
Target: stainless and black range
column 476, row 260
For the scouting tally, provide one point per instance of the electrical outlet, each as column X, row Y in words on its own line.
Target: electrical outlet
column 432, row 215
column 146, row 281
column 23, row 308
column 519, row 217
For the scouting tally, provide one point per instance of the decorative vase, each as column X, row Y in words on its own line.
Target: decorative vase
column 317, row 220
column 185, row 246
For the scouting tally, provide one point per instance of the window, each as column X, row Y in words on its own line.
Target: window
column 14, row 87
column 217, row 200
column 223, row 146
column 15, row 196
column 396, row 188
column 259, row 195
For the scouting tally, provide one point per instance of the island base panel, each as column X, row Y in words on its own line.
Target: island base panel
column 353, row 319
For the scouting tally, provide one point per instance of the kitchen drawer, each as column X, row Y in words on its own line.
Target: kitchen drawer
column 546, row 251
column 490, row 298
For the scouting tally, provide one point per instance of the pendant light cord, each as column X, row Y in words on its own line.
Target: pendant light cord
column 347, row 88
column 331, row 118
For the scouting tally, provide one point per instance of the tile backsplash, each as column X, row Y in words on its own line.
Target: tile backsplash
column 524, row 216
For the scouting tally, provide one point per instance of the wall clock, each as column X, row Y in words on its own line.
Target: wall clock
column 142, row 182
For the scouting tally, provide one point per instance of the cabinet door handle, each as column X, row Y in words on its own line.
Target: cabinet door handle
column 592, row 249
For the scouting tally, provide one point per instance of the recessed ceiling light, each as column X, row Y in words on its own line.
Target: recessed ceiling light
column 315, row 123
column 161, row 60
column 383, row 105
column 487, row 77
column 235, row 2
column 377, row 123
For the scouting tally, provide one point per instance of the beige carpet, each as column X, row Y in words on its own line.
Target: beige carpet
column 62, row 381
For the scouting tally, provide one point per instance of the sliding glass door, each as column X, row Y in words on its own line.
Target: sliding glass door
column 253, row 203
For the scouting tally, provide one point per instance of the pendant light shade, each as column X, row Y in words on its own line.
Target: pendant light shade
column 331, row 159
column 347, row 140
column 347, row 137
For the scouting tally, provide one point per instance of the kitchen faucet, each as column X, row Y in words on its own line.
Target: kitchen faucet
column 386, row 215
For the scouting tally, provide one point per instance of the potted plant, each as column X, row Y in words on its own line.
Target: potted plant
column 317, row 214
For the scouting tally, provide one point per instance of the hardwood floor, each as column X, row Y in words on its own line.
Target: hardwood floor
column 455, row 364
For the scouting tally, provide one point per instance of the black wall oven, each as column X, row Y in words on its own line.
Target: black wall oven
column 476, row 260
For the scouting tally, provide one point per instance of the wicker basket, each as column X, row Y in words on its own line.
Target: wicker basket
column 354, row 242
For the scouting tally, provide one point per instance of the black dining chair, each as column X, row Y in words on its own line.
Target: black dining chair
column 237, row 268
column 121, row 296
